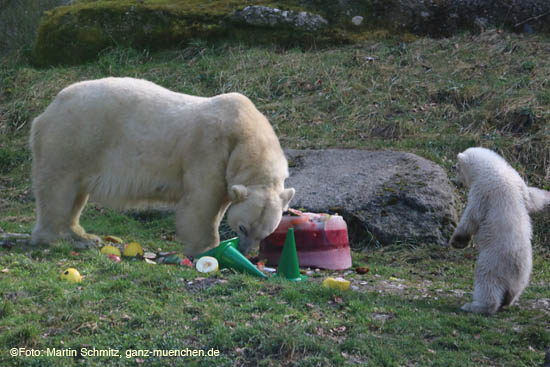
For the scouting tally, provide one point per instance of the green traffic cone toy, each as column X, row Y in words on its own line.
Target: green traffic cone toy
column 229, row 256
column 288, row 263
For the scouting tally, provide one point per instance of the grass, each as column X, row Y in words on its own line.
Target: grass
column 430, row 97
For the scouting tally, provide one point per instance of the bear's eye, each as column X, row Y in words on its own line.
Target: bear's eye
column 243, row 230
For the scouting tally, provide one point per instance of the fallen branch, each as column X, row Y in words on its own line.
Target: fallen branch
column 14, row 239
column 532, row 18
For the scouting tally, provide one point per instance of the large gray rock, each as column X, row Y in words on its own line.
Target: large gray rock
column 265, row 16
column 384, row 196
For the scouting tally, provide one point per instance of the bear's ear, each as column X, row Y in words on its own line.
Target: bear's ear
column 286, row 196
column 461, row 157
column 238, row 193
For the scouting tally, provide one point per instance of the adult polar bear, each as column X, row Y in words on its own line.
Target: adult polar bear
column 497, row 213
column 125, row 142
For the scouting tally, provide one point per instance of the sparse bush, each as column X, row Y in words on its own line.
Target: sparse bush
column 19, row 21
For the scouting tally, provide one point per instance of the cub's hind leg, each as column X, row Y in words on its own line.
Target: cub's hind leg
column 488, row 295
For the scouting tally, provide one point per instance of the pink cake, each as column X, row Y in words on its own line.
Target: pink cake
column 321, row 241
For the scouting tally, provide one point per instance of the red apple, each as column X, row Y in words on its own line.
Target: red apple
column 114, row 258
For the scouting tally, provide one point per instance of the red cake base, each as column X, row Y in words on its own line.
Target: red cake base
column 321, row 241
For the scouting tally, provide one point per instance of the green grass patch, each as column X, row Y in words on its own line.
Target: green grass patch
column 405, row 310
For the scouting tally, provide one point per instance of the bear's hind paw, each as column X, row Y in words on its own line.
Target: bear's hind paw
column 85, row 240
column 479, row 308
column 82, row 245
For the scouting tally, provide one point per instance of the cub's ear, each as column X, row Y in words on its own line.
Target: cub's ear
column 238, row 193
column 286, row 196
column 461, row 157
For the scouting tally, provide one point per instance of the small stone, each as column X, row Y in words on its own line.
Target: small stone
column 357, row 20
column 265, row 16
column 527, row 28
column 482, row 23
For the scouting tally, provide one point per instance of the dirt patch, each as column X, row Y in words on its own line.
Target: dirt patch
column 200, row 284
column 542, row 304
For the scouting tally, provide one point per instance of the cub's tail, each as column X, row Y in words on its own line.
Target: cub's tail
column 538, row 199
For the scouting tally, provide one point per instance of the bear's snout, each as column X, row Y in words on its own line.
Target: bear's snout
column 246, row 245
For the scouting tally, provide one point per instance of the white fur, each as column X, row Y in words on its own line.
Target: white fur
column 128, row 142
column 497, row 214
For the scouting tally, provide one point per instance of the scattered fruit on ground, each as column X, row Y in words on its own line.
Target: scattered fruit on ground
column 71, row 275
column 207, row 264
column 114, row 258
column 133, row 249
column 186, row 262
column 113, row 239
column 362, row 270
column 336, row 283
column 260, row 265
column 110, row 250
column 150, row 255
column 173, row 259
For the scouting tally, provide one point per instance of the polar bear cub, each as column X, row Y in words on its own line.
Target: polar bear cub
column 497, row 214
column 126, row 142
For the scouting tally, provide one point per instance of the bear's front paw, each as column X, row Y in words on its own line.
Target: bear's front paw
column 459, row 240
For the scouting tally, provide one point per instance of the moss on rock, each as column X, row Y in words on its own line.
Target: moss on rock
column 78, row 33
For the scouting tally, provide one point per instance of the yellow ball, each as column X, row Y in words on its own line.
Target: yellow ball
column 110, row 250
column 133, row 249
column 71, row 275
